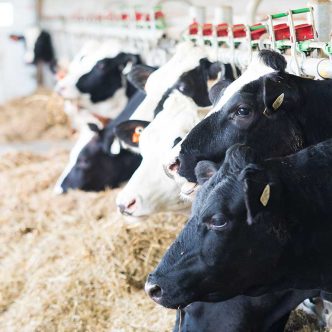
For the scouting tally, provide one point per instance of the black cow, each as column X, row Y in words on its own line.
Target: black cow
column 101, row 162
column 106, row 78
column 277, row 114
column 256, row 227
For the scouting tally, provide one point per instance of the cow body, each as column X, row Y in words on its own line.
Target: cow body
column 92, row 165
column 256, row 227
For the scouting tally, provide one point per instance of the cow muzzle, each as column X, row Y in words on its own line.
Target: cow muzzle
column 128, row 208
column 154, row 291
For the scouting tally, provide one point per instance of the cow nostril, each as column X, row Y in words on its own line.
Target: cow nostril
column 131, row 203
column 129, row 208
column 154, row 291
column 174, row 167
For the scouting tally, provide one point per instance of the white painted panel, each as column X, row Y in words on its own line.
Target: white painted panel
column 16, row 78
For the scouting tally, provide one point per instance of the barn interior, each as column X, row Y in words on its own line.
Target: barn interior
column 69, row 260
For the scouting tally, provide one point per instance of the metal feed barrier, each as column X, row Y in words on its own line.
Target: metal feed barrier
column 307, row 46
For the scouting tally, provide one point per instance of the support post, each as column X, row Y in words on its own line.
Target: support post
column 252, row 10
column 322, row 18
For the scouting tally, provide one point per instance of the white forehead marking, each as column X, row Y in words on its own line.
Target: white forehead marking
column 84, row 138
column 180, row 114
column 186, row 57
column 255, row 70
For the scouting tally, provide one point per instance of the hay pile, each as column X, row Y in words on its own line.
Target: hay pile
column 35, row 117
column 69, row 263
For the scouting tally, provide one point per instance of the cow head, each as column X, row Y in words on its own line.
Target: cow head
column 150, row 190
column 38, row 46
column 82, row 63
column 263, row 114
column 106, row 77
column 234, row 241
column 92, row 167
column 239, row 116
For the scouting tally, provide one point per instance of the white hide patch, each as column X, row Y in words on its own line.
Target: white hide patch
column 79, row 117
column 186, row 57
column 110, row 108
column 85, row 137
column 255, row 70
column 31, row 35
column 159, row 192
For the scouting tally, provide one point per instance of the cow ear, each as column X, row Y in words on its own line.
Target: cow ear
column 212, row 68
column 139, row 75
column 260, row 193
column 238, row 157
column 217, row 90
column 129, row 131
column 278, row 94
column 204, row 170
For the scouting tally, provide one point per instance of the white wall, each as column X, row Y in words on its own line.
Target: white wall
column 16, row 78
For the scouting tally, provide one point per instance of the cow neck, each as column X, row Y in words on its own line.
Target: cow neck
column 315, row 111
column 307, row 263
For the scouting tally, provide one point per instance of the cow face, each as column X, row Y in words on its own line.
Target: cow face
column 82, row 63
column 262, row 115
column 105, row 78
column 150, row 190
column 267, row 62
column 233, row 242
column 91, row 168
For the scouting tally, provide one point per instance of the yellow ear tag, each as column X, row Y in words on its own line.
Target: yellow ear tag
column 265, row 195
column 136, row 135
column 277, row 103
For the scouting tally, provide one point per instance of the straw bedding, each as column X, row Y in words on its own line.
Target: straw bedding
column 39, row 116
column 70, row 263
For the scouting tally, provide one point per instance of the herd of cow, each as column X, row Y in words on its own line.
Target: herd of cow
column 249, row 157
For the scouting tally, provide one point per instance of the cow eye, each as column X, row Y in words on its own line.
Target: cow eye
column 242, row 112
column 183, row 88
column 217, row 222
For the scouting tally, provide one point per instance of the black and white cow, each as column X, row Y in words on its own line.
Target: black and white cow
column 38, row 47
column 257, row 226
column 97, row 160
column 278, row 114
column 180, row 106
